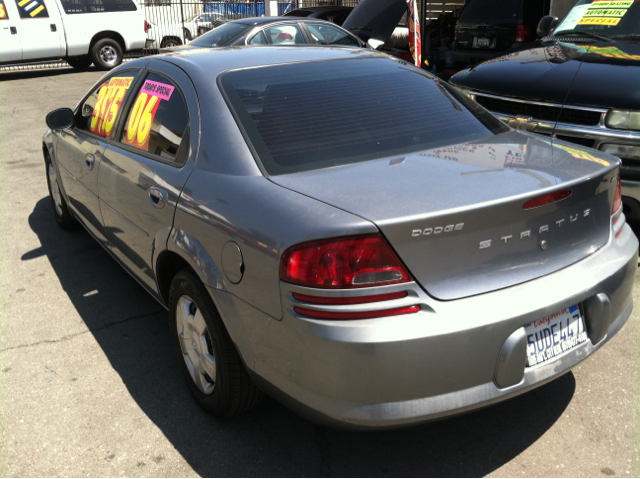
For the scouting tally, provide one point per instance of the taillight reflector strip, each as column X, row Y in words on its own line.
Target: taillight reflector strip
column 312, row 313
column 617, row 199
column 546, row 199
column 352, row 300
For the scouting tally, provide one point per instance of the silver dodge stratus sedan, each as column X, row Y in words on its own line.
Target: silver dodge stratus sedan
column 344, row 231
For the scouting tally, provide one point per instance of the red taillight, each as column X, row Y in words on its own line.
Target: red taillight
column 617, row 199
column 146, row 26
column 546, row 199
column 351, row 300
column 355, row 262
column 455, row 33
column 523, row 34
column 312, row 313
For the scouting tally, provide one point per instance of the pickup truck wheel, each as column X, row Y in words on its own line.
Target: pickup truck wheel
column 208, row 358
column 63, row 217
column 106, row 54
column 169, row 42
column 80, row 63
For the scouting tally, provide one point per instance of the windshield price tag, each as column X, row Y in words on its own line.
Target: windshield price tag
column 108, row 104
column 605, row 12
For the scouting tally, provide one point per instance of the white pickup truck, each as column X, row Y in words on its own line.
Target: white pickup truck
column 81, row 32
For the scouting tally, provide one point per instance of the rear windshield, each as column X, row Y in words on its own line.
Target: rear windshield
column 220, row 36
column 491, row 12
column 298, row 13
column 307, row 116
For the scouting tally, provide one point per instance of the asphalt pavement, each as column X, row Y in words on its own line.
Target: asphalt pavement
column 90, row 386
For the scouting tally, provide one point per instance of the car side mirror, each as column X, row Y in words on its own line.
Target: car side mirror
column 60, row 118
column 547, row 25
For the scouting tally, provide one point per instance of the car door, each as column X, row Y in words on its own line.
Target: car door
column 79, row 150
column 10, row 48
column 142, row 175
column 40, row 29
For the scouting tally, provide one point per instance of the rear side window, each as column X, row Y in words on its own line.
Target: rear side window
column 307, row 116
column 221, row 36
column 97, row 6
column 32, row 9
column 324, row 34
column 284, row 35
column 100, row 110
column 158, row 120
column 4, row 15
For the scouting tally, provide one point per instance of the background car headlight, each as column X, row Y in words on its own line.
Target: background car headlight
column 628, row 152
column 623, row 119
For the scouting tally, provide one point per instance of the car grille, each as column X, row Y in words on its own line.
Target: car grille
column 539, row 112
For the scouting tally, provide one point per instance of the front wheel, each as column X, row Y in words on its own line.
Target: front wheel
column 106, row 54
column 208, row 358
column 80, row 63
column 60, row 211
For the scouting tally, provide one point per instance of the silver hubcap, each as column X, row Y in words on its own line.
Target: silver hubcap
column 108, row 54
column 55, row 190
column 195, row 343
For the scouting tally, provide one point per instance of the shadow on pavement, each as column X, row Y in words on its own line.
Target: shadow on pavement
column 40, row 73
column 131, row 328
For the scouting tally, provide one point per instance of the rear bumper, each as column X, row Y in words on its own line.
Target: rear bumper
column 447, row 359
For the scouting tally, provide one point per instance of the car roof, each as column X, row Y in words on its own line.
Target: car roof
column 208, row 63
column 264, row 20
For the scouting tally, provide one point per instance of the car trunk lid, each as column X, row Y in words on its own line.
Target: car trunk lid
column 455, row 215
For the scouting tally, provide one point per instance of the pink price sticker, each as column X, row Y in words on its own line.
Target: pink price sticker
column 155, row 88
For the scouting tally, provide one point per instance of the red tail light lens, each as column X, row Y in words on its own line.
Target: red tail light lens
column 312, row 313
column 355, row 262
column 617, row 199
column 146, row 26
column 523, row 34
column 546, row 199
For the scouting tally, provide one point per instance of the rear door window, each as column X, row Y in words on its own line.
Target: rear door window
column 323, row 34
column 258, row 39
column 99, row 112
column 32, row 9
column 158, row 120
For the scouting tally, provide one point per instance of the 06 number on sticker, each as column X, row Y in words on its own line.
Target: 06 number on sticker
column 140, row 121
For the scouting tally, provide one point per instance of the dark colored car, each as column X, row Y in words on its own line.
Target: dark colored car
column 331, row 14
column 489, row 28
column 274, row 31
column 581, row 85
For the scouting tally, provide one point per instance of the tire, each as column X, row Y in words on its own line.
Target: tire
column 208, row 358
column 187, row 35
column 202, row 30
column 61, row 212
column 106, row 54
column 169, row 42
column 80, row 63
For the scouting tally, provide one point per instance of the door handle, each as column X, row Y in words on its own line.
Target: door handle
column 14, row 30
column 158, row 197
column 90, row 161
column 53, row 27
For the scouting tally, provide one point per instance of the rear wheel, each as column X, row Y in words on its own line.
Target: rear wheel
column 169, row 42
column 208, row 358
column 63, row 217
column 80, row 63
column 106, row 54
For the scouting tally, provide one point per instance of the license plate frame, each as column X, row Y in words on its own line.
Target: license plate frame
column 554, row 335
column 483, row 42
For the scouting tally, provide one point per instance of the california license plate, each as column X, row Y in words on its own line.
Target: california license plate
column 549, row 337
column 483, row 42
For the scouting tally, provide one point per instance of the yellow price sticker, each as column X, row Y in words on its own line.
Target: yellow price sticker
column 108, row 104
column 140, row 120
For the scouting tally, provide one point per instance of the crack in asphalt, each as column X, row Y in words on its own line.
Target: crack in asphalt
column 71, row 336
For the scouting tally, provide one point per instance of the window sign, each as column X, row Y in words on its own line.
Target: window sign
column 3, row 11
column 32, row 9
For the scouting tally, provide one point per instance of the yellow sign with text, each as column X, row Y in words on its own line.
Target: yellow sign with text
column 107, row 105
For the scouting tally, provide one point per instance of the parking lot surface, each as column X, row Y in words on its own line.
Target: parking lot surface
column 90, row 386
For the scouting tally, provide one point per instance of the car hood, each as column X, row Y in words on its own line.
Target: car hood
column 551, row 72
column 375, row 19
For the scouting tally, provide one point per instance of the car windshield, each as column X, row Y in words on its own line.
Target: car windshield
column 613, row 19
column 221, row 36
column 307, row 116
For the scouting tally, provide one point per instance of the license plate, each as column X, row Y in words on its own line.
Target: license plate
column 549, row 337
column 483, row 42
